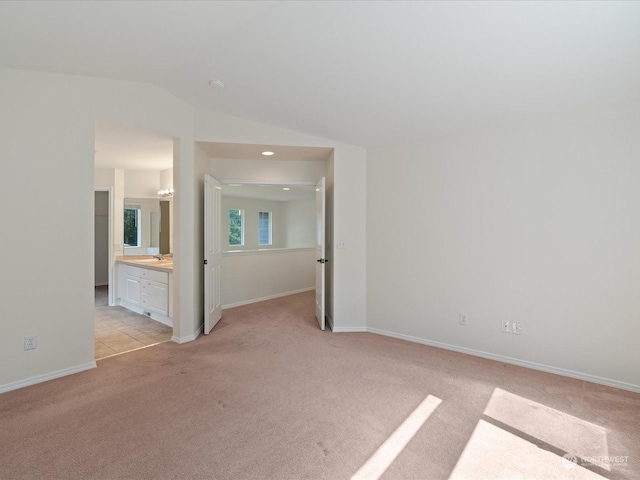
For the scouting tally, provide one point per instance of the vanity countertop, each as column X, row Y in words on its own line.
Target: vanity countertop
column 147, row 261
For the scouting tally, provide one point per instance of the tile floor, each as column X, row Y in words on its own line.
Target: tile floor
column 118, row 330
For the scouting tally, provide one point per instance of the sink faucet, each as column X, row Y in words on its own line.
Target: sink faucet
column 159, row 257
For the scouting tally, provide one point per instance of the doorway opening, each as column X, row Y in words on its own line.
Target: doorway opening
column 132, row 166
column 262, row 256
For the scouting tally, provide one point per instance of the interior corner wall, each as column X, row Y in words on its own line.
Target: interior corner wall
column 534, row 223
column 47, row 130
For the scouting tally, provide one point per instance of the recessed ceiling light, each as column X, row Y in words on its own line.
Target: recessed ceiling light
column 286, row 188
column 217, row 84
column 267, row 153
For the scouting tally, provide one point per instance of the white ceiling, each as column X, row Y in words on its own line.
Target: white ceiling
column 364, row 73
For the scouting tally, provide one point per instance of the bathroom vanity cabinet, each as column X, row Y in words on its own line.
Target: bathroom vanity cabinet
column 146, row 291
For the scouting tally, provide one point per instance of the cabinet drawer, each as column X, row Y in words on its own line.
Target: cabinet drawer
column 134, row 271
column 156, row 276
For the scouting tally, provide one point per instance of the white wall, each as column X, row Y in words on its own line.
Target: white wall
column 251, row 208
column 348, row 179
column 249, row 276
column 536, row 223
column 166, row 178
column 47, row 132
column 298, row 224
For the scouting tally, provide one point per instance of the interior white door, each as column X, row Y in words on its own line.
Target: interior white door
column 320, row 251
column 212, row 252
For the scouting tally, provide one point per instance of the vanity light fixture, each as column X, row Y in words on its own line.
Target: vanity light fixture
column 267, row 153
column 167, row 192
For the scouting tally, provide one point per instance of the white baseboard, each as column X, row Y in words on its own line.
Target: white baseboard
column 349, row 329
column 343, row 329
column 46, row 377
column 513, row 361
column 270, row 297
column 188, row 338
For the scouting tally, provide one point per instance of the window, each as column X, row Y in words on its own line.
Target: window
column 132, row 226
column 236, row 227
column 264, row 228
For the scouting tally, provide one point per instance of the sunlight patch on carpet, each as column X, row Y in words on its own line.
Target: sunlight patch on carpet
column 570, row 434
column 497, row 454
column 397, row 441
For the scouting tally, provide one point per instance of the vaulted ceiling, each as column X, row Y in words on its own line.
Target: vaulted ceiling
column 364, row 73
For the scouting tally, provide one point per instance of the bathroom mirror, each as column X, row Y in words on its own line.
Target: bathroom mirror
column 147, row 226
column 257, row 217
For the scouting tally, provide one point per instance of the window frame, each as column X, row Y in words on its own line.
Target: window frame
column 241, row 215
column 269, row 227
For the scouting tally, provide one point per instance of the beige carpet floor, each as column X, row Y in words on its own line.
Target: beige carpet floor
column 269, row 396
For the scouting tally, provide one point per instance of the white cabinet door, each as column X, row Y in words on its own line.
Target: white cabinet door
column 133, row 289
column 212, row 253
column 155, row 297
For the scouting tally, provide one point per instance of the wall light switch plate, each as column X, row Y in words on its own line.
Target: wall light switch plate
column 506, row 328
column 517, row 328
column 464, row 319
column 342, row 244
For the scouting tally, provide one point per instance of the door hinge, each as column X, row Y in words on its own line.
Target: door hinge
column 322, row 260
column 205, row 261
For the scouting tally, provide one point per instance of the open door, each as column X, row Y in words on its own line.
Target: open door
column 212, row 252
column 320, row 251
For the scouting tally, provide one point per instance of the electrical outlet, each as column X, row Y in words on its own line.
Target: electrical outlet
column 517, row 328
column 30, row 342
column 506, row 328
column 464, row 320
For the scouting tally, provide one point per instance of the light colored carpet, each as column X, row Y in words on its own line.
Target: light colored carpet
column 269, row 396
